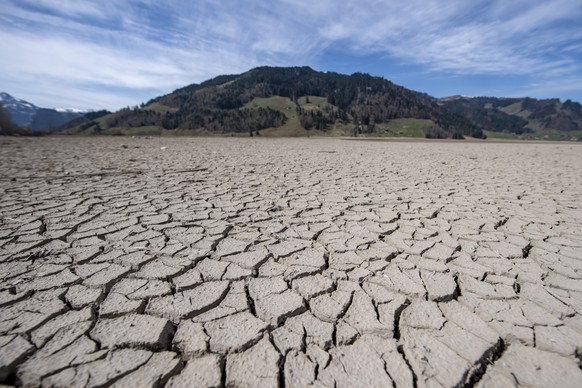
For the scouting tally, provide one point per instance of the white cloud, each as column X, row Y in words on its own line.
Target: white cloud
column 127, row 52
column 567, row 88
column 68, row 7
column 459, row 37
column 126, row 63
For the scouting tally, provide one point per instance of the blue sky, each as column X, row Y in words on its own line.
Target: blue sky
column 115, row 53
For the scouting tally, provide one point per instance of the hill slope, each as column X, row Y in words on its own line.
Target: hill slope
column 294, row 100
column 520, row 116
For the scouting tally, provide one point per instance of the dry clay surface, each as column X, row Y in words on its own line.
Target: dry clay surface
column 289, row 263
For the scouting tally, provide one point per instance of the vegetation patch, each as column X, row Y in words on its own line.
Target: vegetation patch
column 159, row 108
column 406, row 128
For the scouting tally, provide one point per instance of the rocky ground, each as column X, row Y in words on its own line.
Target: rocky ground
column 290, row 263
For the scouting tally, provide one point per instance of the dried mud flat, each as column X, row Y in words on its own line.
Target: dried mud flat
column 290, row 263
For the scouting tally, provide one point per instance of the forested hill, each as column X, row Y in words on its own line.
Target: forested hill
column 291, row 101
column 298, row 99
column 518, row 115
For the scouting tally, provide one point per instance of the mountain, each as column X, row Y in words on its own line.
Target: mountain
column 21, row 112
column 299, row 101
column 527, row 117
column 85, row 121
column 25, row 114
column 7, row 127
column 289, row 101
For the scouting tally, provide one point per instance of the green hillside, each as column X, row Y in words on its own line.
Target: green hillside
column 295, row 101
column 520, row 118
column 299, row 101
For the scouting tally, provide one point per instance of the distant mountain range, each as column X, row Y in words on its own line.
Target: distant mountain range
column 36, row 119
column 299, row 101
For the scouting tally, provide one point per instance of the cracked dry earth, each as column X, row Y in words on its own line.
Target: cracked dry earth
column 289, row 263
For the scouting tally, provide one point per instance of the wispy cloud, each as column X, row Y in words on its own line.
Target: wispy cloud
column 463, row 37
column 110, row 54
column 553, row 88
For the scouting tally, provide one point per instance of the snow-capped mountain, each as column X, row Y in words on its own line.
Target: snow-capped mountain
column 21, row 112
column 72, row 110
column 26, row 114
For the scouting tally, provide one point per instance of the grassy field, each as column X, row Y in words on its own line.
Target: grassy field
column 134, row 131
column 312, row 102
column 397, row 128
column 292, row 128
column 550, row 134
column 501, row 135
column 282, row 104
column 152, row 130
column 540, row 134
column 160, row 108
column 404, row 128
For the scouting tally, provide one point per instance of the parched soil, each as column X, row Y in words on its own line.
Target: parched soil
column 289, row 263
